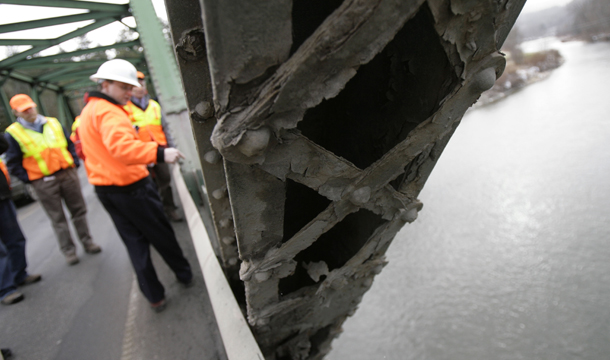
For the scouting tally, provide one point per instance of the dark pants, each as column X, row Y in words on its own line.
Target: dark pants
column 13, row 240
column 7, row 286
column 139, row 218
column 163, row 179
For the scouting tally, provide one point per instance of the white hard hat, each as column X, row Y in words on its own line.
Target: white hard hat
column 117, row 70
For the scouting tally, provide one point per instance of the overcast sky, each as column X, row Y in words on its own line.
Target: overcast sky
column 108, row 34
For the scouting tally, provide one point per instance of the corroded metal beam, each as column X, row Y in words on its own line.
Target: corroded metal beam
column 329, row 118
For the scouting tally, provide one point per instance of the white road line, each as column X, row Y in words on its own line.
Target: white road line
column 129, row 344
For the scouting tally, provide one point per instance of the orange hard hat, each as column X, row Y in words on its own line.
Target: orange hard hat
column 141, row 75
column 21, row 102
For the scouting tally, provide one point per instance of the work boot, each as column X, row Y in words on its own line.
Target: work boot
column 30, row 279
column 6, row 353
column 92, row 248
column 72, row 259
column 12, row 298
column 159, row 306
column 187, row 284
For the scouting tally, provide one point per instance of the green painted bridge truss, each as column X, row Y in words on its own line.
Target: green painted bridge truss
column 57, row 82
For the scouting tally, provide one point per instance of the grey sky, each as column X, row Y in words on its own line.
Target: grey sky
column 108, row 34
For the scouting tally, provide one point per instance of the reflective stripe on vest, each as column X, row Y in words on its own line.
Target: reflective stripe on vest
column 148, row 121
column 140, row 118
column 33, row 143
column 5, row 171
column 75, row 123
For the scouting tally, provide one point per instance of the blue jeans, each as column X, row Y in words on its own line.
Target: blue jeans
column 7, row 286
column 13, row 240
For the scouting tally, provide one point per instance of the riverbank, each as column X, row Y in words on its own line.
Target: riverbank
column 532, row 67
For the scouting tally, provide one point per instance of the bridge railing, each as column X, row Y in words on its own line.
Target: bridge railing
column 238, row 341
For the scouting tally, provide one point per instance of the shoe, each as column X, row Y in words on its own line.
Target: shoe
column 6, row 353
column 92, row 248
column 30, row 279
column 72, row 259
column 159, row 306
column 12, row 298
column 187, row 284
column 174, row 216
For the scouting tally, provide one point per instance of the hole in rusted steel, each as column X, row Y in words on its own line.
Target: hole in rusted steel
column 388, row 97
column 302, row 205
column 335, row 248
column 307, row 15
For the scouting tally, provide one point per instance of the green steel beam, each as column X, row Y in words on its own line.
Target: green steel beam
column 6, row 105
column 72, row 76
column 32, row 42
column 51, row 75
column 72, row 64
column 78, row 32
column 79, row 85
column 70, row 4
column 45, row 59
column 160, row 57
column 27, row 25
column 36, row 97
column 27, row 79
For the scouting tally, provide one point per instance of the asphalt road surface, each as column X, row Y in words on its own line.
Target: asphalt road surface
column 94, row 310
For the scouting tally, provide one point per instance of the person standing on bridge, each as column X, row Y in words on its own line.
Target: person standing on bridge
column 116, row 160
column 40, row 152
column 13, row 264
column 145, row 113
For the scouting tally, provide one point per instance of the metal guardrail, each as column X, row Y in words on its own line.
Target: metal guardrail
column 238, row 341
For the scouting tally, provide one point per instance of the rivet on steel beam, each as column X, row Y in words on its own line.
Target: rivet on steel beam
column 212, row 157
column 361, row 196
column 205, row 109
column 233, row 261
column 228, row 240
column 409, row 215
column 219, row 193
column 224, row 223
column 484, row 80
column 262, row 276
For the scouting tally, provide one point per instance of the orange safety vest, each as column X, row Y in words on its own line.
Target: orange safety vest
column 5, row 171
column 43, row 153
column 147, row 121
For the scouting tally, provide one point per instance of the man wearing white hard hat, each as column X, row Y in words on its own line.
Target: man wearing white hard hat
column 116, row 159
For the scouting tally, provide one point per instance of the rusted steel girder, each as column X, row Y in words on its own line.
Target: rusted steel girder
column 328, row 117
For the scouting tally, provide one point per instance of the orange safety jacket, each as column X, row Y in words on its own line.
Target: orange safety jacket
column 148, row 121
column 115, row 155
column 5, row 171
column 43, row 153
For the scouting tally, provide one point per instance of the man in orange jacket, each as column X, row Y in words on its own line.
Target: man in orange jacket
column 116, row 159
column 41, row 153
column 145, row 113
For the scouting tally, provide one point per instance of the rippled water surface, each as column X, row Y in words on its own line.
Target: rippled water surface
column 510, row 257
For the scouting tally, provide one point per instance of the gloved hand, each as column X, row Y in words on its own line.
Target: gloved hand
column 171, row 155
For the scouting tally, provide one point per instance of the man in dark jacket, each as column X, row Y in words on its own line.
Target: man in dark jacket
column 12, row 243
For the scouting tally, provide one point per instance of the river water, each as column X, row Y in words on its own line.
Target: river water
column 510, row 256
